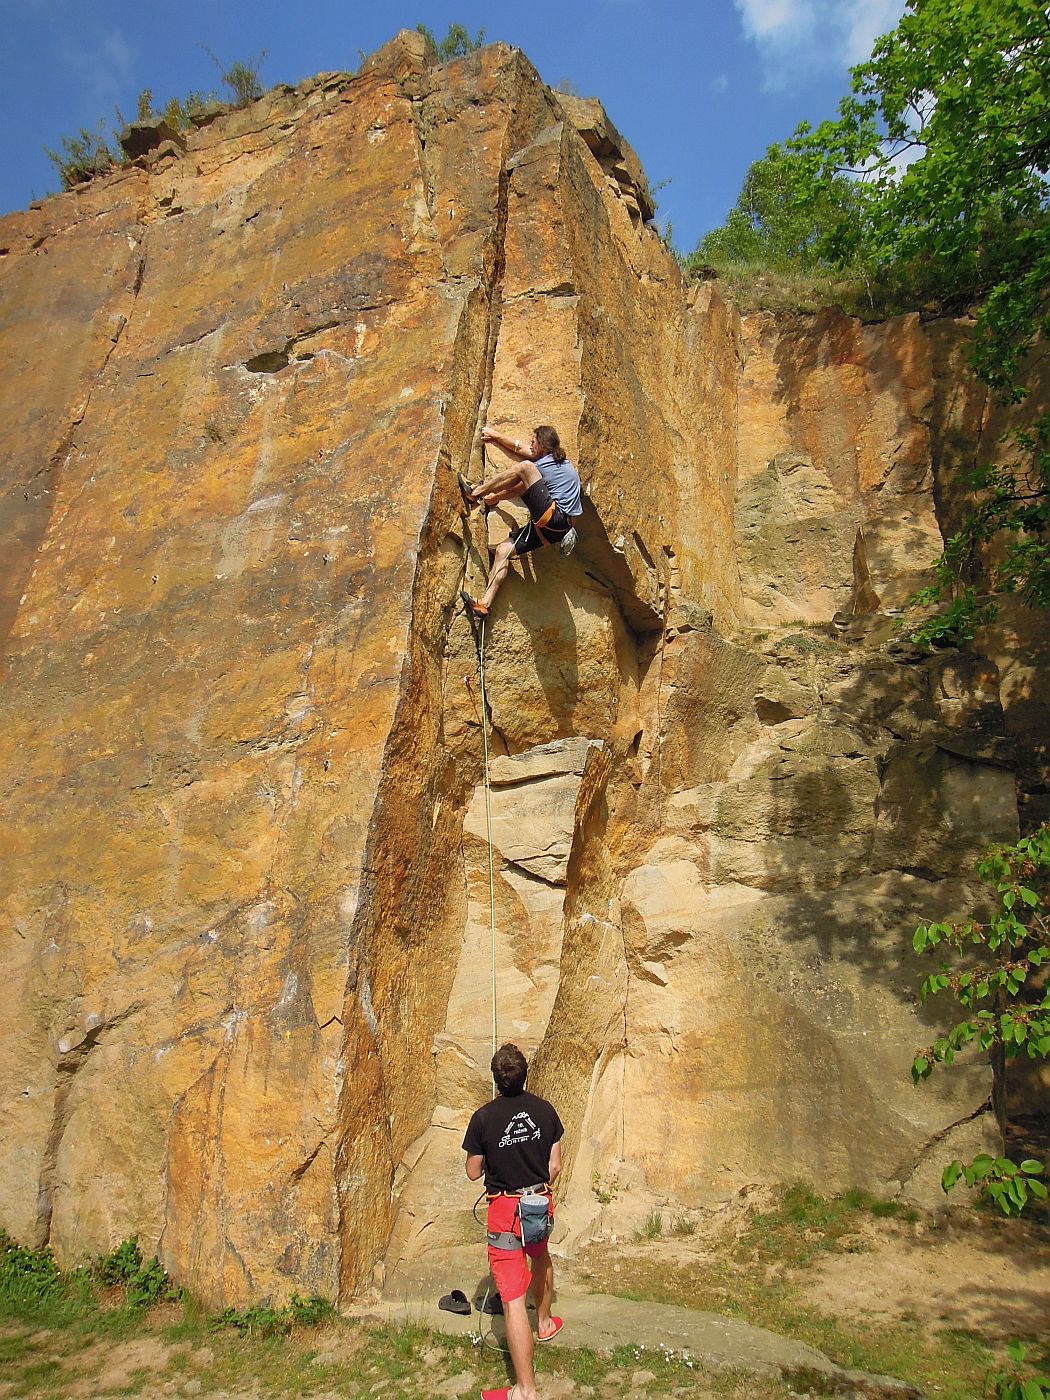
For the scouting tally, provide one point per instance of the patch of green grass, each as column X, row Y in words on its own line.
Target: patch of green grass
column 15, row 1347
column 805, row 1222
column 268, row 1321
column 34, row 1290
column 653, row 1227
column 683, row 1225
column 44, row 1376
column 806, row 644
column 587, row 1367
column 144, row 1284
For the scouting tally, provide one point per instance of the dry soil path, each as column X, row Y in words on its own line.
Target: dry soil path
column 601, row 1323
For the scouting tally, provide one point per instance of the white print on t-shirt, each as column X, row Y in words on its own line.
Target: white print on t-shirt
column 520, row 1129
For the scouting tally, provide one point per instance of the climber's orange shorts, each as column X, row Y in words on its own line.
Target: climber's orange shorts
column 508, row 1266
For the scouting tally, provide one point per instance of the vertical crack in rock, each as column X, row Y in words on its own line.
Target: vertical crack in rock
column 401, row 912
column 73, row 1055
column 43, row 483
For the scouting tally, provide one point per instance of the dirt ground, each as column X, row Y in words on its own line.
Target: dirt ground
column 993, row 1281
column 956, row 1268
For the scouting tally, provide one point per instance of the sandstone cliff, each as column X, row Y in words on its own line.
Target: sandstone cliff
column 244, row 913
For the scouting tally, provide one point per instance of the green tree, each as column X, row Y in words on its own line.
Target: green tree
column 947, row 130
column 993, row 960
column 786, row 215
column 457, row 43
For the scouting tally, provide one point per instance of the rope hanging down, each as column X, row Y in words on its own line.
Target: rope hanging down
column 488, row 824
column 478, row 629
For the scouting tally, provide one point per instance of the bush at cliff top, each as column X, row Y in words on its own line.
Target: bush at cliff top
column 90, row 153
column 457, row 42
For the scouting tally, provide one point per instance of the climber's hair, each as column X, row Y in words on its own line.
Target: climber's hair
column 549, row 440
column 509, row 1068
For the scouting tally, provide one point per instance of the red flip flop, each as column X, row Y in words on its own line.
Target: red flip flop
column 502, row 1394
column 558, row 1325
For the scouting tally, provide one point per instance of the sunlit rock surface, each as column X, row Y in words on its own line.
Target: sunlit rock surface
column 245, row 912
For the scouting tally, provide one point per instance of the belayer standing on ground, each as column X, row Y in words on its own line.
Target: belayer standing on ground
column 548, row 485
column 515, row 1140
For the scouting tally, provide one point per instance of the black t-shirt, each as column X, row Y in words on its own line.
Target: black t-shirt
column 515, row 1136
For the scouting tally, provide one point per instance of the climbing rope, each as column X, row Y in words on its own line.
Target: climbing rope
column 488, row 828
column 489, row 1342
column 478, row 628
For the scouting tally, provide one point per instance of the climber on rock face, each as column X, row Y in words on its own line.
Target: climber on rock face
column 548, row 485
column 515, row 1140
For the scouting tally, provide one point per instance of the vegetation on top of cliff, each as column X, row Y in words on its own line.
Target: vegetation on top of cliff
column 457, row 43
column 930, row 191
column 93, row 152
column 933, row 176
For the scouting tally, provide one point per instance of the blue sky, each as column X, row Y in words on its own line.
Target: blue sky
column 699, row 89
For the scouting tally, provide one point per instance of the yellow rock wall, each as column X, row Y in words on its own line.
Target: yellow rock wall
column 244, row 915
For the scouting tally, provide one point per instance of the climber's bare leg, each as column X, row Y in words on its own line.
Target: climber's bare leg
column 501, row 558
column 507, row 484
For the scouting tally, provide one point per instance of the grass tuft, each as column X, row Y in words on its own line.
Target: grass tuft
column 654, row 1225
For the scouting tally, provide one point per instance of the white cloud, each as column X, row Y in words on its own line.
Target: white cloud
column 797, row 38
column 104, row 65
column 720, row 83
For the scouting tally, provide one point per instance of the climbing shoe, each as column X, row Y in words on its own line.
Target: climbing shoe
column 472, row 606
column 466, row 491
column 568, row 543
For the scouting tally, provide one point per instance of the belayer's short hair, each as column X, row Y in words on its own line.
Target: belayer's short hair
column 509, row 1068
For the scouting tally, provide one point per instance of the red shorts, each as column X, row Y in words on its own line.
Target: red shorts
column 508, row 1266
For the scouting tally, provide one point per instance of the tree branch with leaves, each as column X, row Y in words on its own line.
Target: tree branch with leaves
column 993, row 960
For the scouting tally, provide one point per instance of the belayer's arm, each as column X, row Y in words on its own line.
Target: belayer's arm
column 555, row 1167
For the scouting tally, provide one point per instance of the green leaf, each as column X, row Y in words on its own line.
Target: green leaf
column 950, row 1176
column 1032, row 1167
